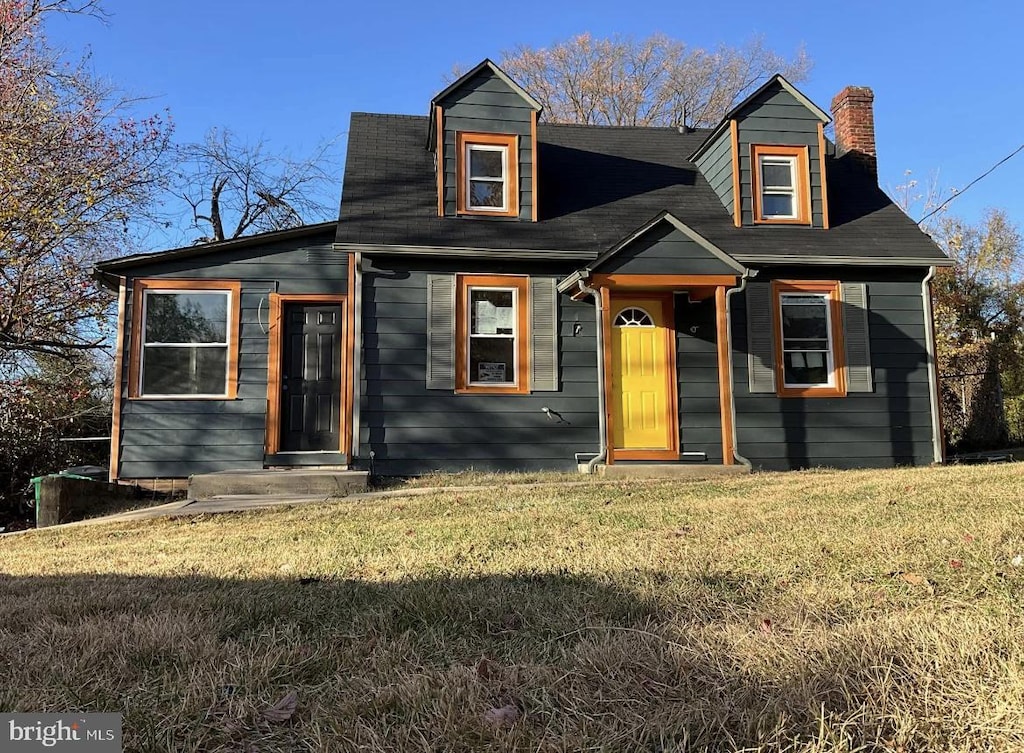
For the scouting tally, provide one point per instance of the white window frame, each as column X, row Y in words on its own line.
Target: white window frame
column 514, row 337
column 470, row 147
column 226, row 345
column 792, row 190
column 830, row 351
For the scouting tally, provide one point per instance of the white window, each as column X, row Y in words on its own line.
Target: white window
column 486, row 177
column 778, row 187
column 493, row 355
column 807, row 359
column 186, row 347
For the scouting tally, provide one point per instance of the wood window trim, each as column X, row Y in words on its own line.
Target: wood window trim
column 830, row 287
column 275, row 355
column 522, row 287
column 802, row 187
column 463, row 140
column 139, row 288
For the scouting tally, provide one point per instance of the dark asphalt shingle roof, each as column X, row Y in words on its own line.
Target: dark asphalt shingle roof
column 597, row 184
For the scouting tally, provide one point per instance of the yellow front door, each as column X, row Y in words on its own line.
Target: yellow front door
column 642, row 405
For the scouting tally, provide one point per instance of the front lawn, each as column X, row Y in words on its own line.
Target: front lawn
column 813, row 611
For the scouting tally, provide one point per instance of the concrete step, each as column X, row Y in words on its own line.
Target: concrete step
column 689, row 471
column 293, row 482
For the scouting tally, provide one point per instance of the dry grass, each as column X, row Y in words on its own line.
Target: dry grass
column 815, row 611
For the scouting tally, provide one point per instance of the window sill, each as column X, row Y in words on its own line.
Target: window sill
column 797, row 221
column 811, row 392
column 491, row 391
column 164, row 398
column 508, row 215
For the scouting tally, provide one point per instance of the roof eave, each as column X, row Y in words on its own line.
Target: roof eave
column 185, row 252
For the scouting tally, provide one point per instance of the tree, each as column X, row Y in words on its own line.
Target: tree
column 75, row 169
column 978, row 305
column 657, row 81
column 236, row 188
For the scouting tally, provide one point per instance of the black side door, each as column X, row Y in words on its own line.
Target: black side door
column 311, row 378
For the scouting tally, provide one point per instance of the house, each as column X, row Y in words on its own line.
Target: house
column 503, row 293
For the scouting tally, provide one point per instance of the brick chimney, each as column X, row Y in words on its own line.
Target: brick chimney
column 854, row 117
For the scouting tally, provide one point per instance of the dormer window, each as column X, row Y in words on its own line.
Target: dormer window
column 781, row 184
column 487, row 173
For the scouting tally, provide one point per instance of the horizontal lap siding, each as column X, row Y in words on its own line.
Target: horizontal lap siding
column 177, row 438
column 411, row 429
column 716, row 167
column 486, row 104
column 700, row 423
column 889, row 426
column 665, row 250
column 779, row 118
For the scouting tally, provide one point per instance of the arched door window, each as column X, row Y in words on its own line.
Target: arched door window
column 633, row 317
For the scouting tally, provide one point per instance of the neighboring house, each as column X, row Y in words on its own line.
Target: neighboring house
column 502, row 293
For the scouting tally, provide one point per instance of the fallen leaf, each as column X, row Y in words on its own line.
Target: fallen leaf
column 914, row 579
column 505, row 716
column 956, row 564
column 283, row 710
column 766, row 626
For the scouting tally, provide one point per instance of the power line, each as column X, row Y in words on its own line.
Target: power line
column 985, row 174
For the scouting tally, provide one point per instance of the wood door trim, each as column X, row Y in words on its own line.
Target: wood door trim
column 724, row 377
column 671, row 378
column 275, row 353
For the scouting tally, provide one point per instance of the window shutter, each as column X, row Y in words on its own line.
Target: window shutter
column 441, row 332
column 760, row 345
column 543, row 335
column 856, row 337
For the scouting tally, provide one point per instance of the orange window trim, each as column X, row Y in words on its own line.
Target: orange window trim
column 234, row 317
column 803, row 182
column 275, row 354
column 464, row 140
column 462, row 314
column 831, row 288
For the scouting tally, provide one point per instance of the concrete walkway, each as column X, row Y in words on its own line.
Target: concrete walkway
column 246, row 502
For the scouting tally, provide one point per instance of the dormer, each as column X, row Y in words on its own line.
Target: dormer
column 483, row 133
column 766, row 159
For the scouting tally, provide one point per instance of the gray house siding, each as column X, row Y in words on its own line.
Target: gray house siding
column 700, row 422
column 886, row 427
column 665, row 250
column 176, row 438
column 778, row 118
column 715, row 165
column 410, row 429
column 486, row 104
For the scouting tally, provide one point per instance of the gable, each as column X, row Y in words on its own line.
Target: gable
column 666, row 247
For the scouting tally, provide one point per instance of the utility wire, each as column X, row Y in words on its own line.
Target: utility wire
column 985, row 174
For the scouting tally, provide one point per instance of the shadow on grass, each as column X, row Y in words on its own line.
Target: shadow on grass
column 640, row 661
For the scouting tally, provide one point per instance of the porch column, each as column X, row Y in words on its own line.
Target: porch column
column 724, row 376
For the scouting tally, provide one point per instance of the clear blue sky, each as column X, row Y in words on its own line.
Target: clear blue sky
column 945, row 75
